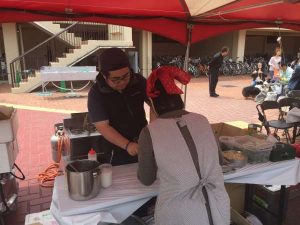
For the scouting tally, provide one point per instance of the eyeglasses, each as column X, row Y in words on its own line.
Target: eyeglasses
column 118, row 80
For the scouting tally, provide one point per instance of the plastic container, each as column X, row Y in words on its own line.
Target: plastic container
column 257, row 150
column 271, row 96
column 237, row 159
column 106, row 175
column 278, row 88
column 92, row 155
column 257, row 155
column 226, row 142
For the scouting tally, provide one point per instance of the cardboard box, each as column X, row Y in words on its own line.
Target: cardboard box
column 8, row 127
column 236, row 192
column 239, row 124
column 41, row 218
column 235, row 128
column 237, row 218
column 8, row 155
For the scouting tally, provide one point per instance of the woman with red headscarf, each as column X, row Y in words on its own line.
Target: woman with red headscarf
column 180, row 148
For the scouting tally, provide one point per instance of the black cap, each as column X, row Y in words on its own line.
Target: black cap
column 113, row 59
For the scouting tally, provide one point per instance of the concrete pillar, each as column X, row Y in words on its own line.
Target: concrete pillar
column 239, row 41
column 127, row 34
column 11, row 46
column 145, row 50
column 241, row 45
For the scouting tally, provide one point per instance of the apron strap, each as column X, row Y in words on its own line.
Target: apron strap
column 203, row 183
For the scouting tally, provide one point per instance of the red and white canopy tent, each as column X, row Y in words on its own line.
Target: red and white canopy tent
column 164, row 17
column 186, row 21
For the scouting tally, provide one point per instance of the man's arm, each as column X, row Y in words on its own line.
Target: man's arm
column 113, row 136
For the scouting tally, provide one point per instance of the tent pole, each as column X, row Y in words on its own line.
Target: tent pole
column 186, row 59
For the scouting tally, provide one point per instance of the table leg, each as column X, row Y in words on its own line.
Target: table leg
column 248, row 197
column 282, row 205
column 72, row 94
column 1, row 220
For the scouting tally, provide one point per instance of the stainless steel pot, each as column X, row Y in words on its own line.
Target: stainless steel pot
column 83, row 177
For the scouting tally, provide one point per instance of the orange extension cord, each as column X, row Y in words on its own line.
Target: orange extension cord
column 47, row 177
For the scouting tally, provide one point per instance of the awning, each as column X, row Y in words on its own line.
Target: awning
column 168, row 18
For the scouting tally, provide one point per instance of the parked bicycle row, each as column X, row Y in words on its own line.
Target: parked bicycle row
column 199, row 66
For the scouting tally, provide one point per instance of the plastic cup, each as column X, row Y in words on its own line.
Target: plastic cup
column 106, row 175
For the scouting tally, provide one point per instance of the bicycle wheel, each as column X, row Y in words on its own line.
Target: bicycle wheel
column 226, row 71
column 194, row 71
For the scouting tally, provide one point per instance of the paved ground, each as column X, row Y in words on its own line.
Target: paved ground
column 230, row 104
column 37, row 115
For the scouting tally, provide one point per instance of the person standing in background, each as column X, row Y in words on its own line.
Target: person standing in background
column 274, row 64
column 213, row 72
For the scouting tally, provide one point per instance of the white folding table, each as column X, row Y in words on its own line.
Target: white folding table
column 127, row 194
column 74, row 73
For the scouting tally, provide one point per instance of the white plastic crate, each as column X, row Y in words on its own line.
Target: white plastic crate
column 8, row 155
column 8, row 128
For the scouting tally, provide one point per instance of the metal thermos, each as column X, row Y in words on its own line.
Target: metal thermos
column 58, row 129
column 8, row 192
column 83, row 177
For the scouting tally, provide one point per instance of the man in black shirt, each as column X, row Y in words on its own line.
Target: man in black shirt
column 116, row 106
column 214, row 67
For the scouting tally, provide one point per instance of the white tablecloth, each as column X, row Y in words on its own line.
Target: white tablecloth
column 127, row 194
column 270, row 173
column 113, row 204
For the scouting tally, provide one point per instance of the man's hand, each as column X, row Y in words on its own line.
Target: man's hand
column 132, row 149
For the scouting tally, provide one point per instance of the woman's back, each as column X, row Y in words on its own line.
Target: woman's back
column 180, row 145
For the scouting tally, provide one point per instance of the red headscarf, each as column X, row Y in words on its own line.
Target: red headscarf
column 166, row 75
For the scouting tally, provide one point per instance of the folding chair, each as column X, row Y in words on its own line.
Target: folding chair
column 279, row 124
column 286, row 104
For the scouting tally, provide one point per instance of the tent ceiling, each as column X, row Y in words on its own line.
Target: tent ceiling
column 167, row 18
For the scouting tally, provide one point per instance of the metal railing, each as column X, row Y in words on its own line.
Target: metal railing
column 95, row 31
column 73, row 35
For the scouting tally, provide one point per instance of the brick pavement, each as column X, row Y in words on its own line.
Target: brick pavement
column 230, row 104
column 37, row 115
